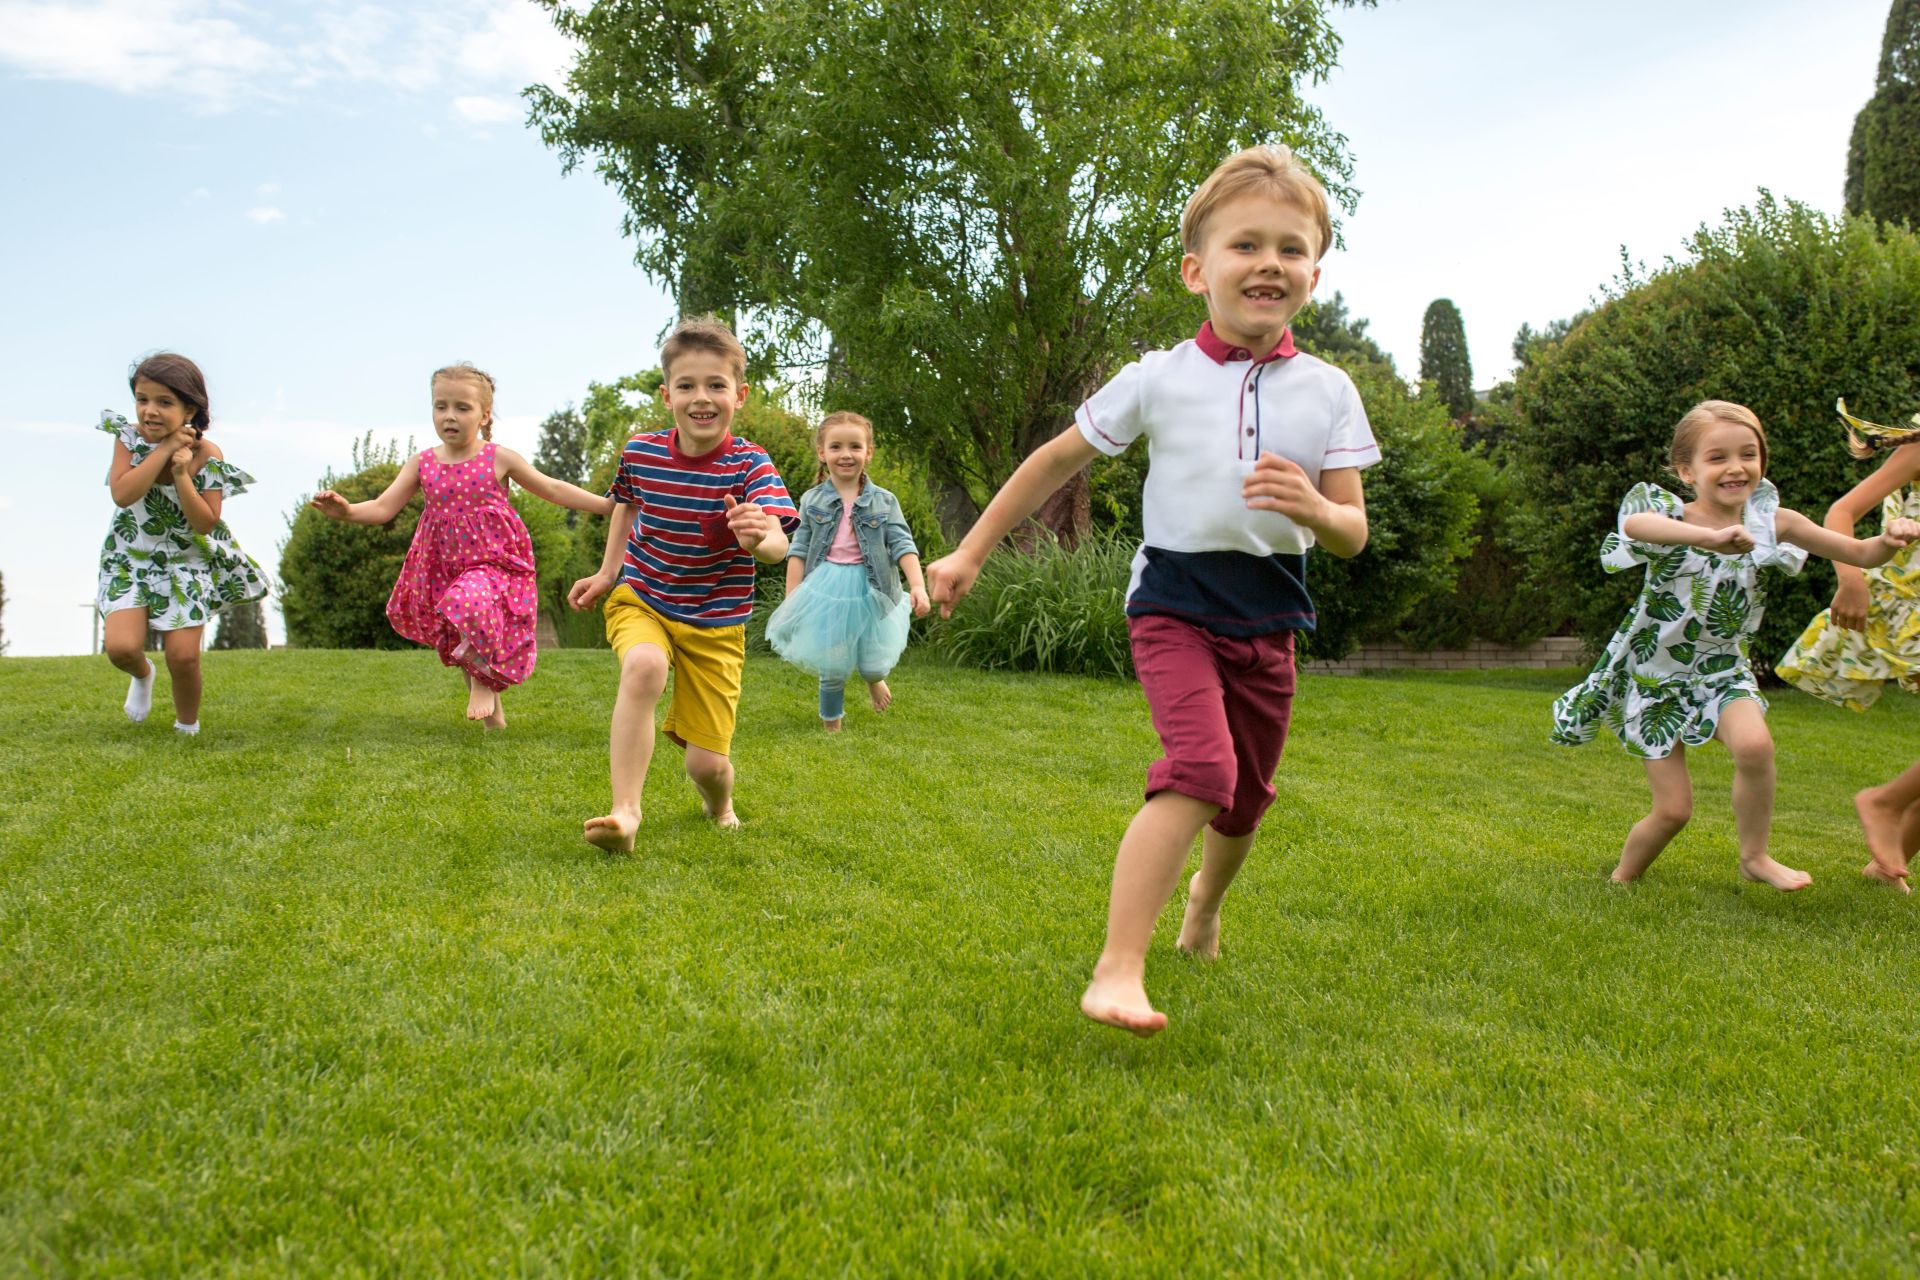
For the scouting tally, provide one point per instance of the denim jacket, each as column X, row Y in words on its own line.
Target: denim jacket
column 879, row 526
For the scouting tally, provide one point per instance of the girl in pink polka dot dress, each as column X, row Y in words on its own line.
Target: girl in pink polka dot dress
column 467, row 587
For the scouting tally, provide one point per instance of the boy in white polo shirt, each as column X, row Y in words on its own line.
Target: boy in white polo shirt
column 1255, row 452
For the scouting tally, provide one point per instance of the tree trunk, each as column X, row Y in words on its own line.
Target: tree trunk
column 1067, row 514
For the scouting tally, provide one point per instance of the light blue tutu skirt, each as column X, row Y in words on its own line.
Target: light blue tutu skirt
column 834, row 624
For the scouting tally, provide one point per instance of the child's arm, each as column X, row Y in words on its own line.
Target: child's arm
column 1336, row 511
column 509, row 465
column 757, row 530
column 375, row 510
column 129, row 483
column 587, row 592
column 1838, row 547
column 1665, row 531
column 1902, row 467
column 916, row 585
column 796, row 571
column 202, row 510
column 1047, row 468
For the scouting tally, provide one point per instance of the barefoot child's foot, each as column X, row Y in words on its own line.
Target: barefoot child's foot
column 498, row 720
column 1882, row 829
column 481, row 701
column 1122, row 1003
column 1766, row 871
column 1200, row 929
column 881, row 695
column 614, row 833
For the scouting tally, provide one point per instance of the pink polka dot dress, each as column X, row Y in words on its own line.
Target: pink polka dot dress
column 467, row 587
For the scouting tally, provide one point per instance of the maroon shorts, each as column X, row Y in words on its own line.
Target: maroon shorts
column 1220, row 705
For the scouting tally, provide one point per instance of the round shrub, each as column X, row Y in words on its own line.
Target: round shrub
column 335, row 577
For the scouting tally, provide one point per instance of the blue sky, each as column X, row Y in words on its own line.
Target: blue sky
column 322, row 202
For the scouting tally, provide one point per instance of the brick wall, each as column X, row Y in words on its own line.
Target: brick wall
column 1554, row 651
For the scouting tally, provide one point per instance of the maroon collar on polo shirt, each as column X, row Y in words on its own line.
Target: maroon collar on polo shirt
column 1220, row 352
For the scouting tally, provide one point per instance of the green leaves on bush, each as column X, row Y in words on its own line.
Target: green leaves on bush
column 335, row 577
column 1051, row 609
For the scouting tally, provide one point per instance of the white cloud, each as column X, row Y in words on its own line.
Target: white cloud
column 265, row 214
column 519, row 44
column 138, row 46
column 487, row 110
column 267, row 189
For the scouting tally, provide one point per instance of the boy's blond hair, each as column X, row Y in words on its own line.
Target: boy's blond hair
column 1270, row 170
column 703, row 333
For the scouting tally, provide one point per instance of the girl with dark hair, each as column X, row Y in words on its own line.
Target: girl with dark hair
column 169, row 562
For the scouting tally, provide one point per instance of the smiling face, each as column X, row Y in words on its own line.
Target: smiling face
column 1256, row 265
column 844, row 450
column 703, row 394
column 461, row 409
column 159, row 410
column 1726, row 464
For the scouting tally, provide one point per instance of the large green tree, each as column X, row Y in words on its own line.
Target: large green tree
column 1443, row 356
column 1329, row 330
column 964, row 216
column 1883, row 152
column 241, row 626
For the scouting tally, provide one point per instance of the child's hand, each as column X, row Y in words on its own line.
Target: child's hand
column 750, row 522
column 1902, row 532
column 949, row 579
column 1849, row 608
column 1278, row 484
column 921, row 605
column 1732, row 540
column 587, row 592
column 330, row 504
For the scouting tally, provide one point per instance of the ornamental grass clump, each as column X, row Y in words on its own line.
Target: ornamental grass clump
column 1053, row 608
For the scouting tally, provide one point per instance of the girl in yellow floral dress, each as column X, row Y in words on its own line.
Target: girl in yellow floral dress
column 1870, row 635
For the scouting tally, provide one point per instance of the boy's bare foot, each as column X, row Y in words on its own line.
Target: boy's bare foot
column 833, row 725
column 1122, row 1003
column 615, row 832
column 1200, row 928
column 1882, row 829
column 481, row 701
column 881, row 695
column 1766, row 871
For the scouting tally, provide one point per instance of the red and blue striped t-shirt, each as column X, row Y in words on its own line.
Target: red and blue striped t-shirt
column 682, row 558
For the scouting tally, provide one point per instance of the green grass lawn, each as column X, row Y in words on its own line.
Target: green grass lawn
column 337, row 989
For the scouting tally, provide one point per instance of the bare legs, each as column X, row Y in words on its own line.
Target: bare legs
column 1890, row 819
column 1220, row 859
column 125, row 636
column 485, row 704
column 1743, row 731
column 1144, row 872
column 643, row 676
column 712, row 775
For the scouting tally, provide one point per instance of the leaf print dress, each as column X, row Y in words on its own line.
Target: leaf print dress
column 153, row 560
column 1851, row 668
column 1681, row 655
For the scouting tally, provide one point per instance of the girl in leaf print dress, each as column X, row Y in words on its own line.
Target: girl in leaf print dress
column 169, row 561
column 1676, row 673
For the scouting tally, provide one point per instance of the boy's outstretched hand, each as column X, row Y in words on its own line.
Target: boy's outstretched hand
column 949, row 579
column 587, row 592
column 750, row 522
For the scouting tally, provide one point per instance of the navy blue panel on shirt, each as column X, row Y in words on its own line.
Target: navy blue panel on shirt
column 1229, row 593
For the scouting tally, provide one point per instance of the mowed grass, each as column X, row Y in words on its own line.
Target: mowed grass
column 336, row 989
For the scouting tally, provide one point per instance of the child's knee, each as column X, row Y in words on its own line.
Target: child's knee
column 183, row 662
column 643, row 671
column 1754, row 752
column 125, row 653
column 1672, row 814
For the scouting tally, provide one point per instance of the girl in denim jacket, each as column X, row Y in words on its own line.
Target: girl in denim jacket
column 844, row 610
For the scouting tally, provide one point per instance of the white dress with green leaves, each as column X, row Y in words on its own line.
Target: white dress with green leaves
column 1681, row 655
column 153, row 560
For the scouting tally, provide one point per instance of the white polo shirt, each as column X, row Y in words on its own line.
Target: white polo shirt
column 1208, row 410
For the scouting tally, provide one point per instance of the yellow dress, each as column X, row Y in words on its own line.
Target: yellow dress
column 1851, row 667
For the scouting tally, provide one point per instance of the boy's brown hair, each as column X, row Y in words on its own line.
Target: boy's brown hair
column 1269, row 170
column 703, row 333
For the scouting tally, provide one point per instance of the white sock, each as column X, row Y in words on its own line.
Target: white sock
column 140, row 695
column 188, row 729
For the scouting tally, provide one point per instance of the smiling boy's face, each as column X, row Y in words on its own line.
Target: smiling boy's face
column 1257, row 265
column 703, row 394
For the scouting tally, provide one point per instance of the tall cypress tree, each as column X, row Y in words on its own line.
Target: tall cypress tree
column 1883, row 153
column 1443, row 356
column 242, row 626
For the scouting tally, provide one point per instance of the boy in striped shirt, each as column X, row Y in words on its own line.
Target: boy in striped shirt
column 694, row 507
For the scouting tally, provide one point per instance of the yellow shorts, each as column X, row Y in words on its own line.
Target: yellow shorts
column 706, row 663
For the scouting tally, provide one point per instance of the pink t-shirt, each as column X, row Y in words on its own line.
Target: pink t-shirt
column 845, row 548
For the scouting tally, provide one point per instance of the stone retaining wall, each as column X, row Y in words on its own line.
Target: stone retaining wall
column 1554, row 651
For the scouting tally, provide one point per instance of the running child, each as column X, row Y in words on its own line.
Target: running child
column 695, row 507
column 844, row 610
column 1676, row 673
column 1871, row 635
column 467, row 587
column 1255, row 456
column 169, row 562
